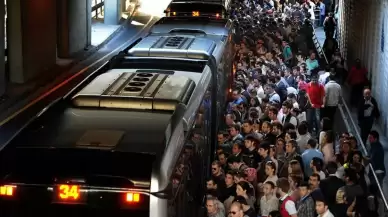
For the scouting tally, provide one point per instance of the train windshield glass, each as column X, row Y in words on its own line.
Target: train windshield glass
column 201, row 8
column 29, row 164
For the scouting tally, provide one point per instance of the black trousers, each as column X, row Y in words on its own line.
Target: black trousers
column 356, row 94
column 365, row 125
column 329, row 112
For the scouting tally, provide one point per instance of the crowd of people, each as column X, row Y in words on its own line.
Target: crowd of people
column 278, row 154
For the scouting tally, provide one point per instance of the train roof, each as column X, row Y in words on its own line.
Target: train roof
column 119, row 110
column 171, row 25
column 195, row 47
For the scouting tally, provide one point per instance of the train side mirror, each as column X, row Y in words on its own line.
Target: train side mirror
column 165, row 11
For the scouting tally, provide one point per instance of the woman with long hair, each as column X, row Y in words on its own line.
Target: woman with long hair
column 270, row 171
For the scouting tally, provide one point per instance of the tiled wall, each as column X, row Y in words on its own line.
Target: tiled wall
column 361, row 35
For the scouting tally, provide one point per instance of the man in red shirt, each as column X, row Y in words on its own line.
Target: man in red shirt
column 357, row 79
column 316, row 95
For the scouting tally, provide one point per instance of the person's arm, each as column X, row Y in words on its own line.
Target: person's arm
column 324, row 96
column 290, row 208
column 325, row 21
column 350, row 212
column 376, row 106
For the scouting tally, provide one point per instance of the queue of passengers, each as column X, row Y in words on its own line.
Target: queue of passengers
column 278, row 154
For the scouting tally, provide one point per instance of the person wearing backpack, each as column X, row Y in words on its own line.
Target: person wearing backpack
column 303, row 100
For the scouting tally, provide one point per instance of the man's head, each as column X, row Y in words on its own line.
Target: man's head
column 367, row 94
column 212, row 205
column 211, row 184
column 287, row 106
column 216, row 168
column 304, row 189
column 314, row 181
column 320, row 206
column 236, row 210
column 314, row 79
column 358, row 63
column 283, row 186
column 373, row 136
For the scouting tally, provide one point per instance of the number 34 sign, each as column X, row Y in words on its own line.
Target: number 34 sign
column 69, row 192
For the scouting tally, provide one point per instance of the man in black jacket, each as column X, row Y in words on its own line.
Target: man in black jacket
column 330, row 185
column 376, row 156
column 367, row 112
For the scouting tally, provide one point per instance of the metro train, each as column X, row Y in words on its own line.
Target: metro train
column 136, row 137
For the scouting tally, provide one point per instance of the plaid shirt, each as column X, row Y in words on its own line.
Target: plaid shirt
column 306, row 207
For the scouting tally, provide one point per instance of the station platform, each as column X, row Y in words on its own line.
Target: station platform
column 351, row 114
column 101, row 35
column 27, row 100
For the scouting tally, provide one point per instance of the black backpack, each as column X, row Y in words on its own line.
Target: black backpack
column 329, row 25
column 303, row 101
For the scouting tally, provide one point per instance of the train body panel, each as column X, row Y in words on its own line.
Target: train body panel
column 160, row 100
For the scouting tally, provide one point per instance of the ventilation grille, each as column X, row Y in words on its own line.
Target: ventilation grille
column 124, row 90
column 174, row 47
column 175, row 42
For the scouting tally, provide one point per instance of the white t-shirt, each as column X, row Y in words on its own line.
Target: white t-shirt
column 260, row 92
column 323, row 77
column 290, row 206
column 322, row 175
column 311, row 10
column 292, row 90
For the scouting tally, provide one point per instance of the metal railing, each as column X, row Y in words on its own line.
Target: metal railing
column 97, row 8
column 318, row 46
column 356, row 133
column 352, row 127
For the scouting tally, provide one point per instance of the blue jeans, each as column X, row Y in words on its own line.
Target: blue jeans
column 314, row 119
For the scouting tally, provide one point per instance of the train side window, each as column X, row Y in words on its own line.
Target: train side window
column 183, row 189
column 179, row 182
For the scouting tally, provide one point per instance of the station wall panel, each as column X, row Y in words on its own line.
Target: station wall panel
column 363, row 33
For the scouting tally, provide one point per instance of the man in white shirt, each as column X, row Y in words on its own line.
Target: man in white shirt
column 259, row 88
column 333, row 95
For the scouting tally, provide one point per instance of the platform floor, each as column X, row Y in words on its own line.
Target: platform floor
column 101, row 32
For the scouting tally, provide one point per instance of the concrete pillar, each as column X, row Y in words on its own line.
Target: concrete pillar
column 112, row 12
column 31, row 38
column 74, row 26
column 3, row 77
